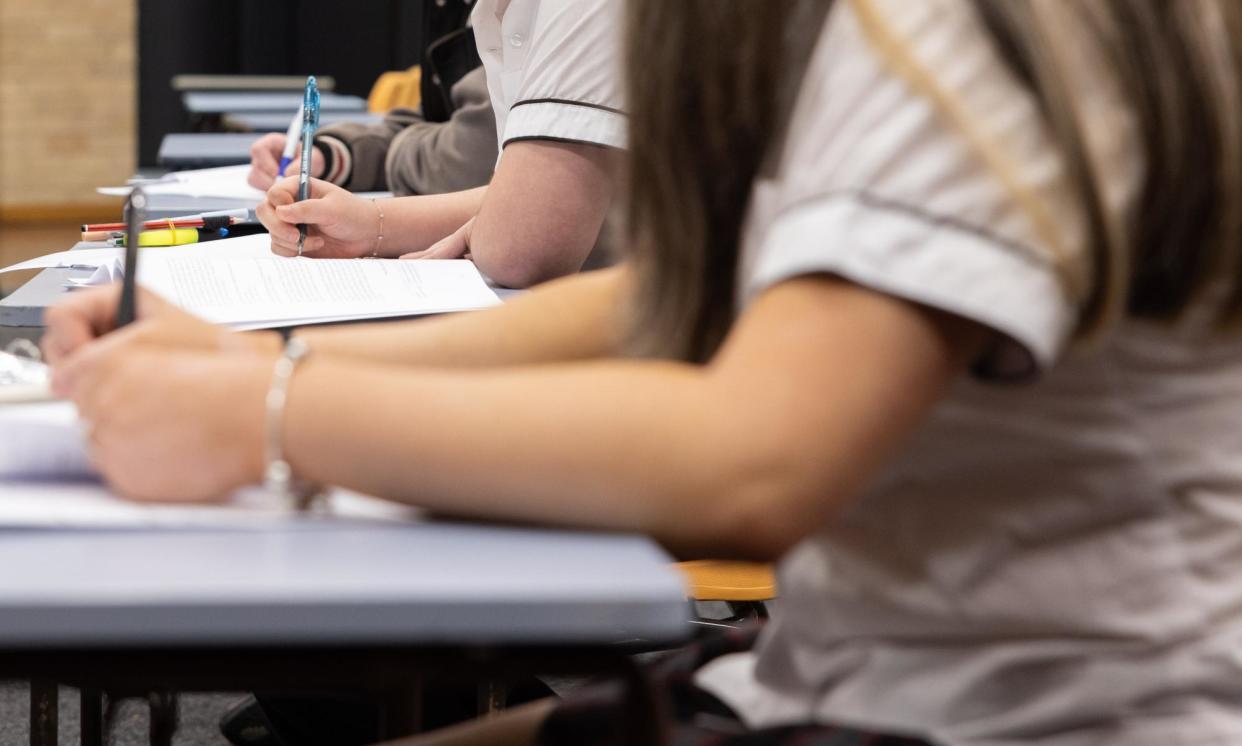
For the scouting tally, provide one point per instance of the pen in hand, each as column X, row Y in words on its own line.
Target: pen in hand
column 291, row 142
column 135, row 206
column 310, row 122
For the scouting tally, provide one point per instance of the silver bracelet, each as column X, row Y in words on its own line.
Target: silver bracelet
column 278, row 476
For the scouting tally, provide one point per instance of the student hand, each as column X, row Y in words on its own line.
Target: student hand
column 454, row 246
column 86, row 315
column 169, row 424
column 340, row 224
column 265, row 161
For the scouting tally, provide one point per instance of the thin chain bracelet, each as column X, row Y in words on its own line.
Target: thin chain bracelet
column 379, row 238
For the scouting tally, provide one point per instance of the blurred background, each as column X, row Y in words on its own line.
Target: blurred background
column 86, row 92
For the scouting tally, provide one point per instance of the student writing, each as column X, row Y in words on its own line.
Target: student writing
column 551, row 69
column 855, row 228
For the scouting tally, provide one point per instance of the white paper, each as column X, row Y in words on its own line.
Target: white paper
column 22, row 381
column 42, row 441
column 85, row 505
column 104, row 274
column 76, row 259
column 227, row 182
column 239, row 282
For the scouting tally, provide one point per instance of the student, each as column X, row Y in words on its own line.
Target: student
column 949, row 337
column 556, row 94
column 447, row 145
column 406, row 153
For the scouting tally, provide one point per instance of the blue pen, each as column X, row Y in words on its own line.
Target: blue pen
column 310, row 123
column 291, row 142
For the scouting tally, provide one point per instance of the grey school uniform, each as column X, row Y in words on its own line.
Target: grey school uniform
column 1056, row 561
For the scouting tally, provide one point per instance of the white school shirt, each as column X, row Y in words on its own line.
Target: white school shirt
column 553, row 69
column 1056, row 562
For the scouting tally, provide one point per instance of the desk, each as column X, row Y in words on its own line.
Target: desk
column 325, row 605
column 206, row 103
column 207, row 149
column 327, row 584
column 268, row 122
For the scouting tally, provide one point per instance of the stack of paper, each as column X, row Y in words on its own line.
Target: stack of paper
column 239, row 282
column 77, row 259
column 89, row 505
column 42, row 441
column 227, row 182
column 47, row 480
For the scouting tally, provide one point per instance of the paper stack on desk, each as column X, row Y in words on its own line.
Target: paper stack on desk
column 42, row 441
column 47, row 481
column 226, row 183
column 240, row 283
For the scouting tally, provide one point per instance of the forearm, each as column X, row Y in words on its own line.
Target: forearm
column 587, row 445
column 415, row 223
column 576, row 318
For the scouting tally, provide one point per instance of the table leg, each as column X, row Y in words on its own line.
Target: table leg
column 44, row 701
column 493, row 696
column 163, row 707
column 92, row 729
column 401, row 713
column 642, row 723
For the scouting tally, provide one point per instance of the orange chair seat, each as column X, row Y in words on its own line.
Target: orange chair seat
column 716, row 580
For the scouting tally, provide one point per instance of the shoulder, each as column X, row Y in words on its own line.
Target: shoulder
column 916, row 164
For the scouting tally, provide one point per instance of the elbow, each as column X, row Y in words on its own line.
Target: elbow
column 762, row 509
column 522, row 267
column 751, row 527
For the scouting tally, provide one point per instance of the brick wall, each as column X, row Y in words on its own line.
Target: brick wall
column 67, row 101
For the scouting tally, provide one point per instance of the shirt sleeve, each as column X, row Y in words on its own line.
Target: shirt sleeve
column 875, row 185
column 570, row 87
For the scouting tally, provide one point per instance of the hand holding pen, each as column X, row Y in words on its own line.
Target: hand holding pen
column 310, row 123
column 268, row 151
column 291, row 141
column 340, row 225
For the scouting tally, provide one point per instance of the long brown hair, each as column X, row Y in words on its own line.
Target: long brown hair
column 712, row 82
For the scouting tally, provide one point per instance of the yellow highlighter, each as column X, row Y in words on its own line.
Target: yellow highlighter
column 164, row 237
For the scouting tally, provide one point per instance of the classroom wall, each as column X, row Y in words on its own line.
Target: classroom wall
column 67, row 105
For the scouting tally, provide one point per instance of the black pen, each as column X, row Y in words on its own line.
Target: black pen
column 135, row 206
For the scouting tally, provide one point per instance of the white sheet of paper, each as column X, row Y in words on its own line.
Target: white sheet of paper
column 42, row 441
column 79, row 259
column 239, row 282
column 226, row 182
column 104, row 274
column 86, row 505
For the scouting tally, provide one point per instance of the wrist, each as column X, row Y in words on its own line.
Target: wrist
column 277, row 471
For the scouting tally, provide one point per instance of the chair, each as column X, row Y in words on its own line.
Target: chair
column 744, row 588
